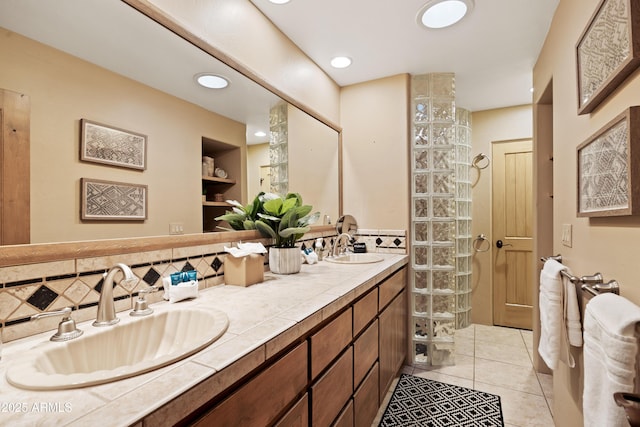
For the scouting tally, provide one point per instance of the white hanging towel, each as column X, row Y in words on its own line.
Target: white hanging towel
column 560, row 324
column 610, row 349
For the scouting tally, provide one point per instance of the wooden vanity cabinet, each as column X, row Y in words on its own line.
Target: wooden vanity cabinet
column 332, row 391
column 298, row 416
column 337, row 375
column 365, row 399
column 327, row 343
column 345, row 419
column 364, row 310
column 365, row 352
column 392, row 329
column 259, row 401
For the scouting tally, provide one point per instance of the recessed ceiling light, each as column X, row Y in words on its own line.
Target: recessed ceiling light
column 212, row 81
column 260, row 134
column 341, row 62
column 443, row 13
column 279, row 1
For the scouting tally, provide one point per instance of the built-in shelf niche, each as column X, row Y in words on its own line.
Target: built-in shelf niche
column 229, row 158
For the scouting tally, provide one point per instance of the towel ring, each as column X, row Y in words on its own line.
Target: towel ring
column 477, row 160
column 478, row 243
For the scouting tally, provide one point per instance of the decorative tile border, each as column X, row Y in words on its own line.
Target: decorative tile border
column 26, row 290
column 385, row 241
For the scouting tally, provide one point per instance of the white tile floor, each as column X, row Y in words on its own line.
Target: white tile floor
column 499, row 361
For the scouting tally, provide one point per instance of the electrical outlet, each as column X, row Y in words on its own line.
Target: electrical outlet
column 176, row 228
column 566, row 235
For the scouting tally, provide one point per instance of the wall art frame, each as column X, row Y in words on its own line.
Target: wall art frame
column 608, row 166
column 111, row 200
column 105, row 144
column 607, row 52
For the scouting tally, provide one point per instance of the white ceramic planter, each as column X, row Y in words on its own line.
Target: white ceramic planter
column 285, row 260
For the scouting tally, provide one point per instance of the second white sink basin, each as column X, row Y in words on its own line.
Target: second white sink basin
column 120, row 351
column 355, row 259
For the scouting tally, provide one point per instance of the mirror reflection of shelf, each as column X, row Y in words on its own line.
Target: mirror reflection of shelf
column 218, row 180
column 216, row 204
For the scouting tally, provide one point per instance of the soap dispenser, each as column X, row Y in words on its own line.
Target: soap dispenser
column 319, row 248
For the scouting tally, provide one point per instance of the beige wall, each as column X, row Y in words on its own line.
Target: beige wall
column 608, row 245
column 239, row 30
column 316, row 180
column 63, row 90
column 374, row 117
column 257, row 156
column 487, row 127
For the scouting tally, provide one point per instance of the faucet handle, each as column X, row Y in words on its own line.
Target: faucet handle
column 141, row 307
column 67, row 329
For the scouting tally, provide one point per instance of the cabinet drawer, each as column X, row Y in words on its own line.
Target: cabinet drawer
column 345, row 419
column 332, row 391
column 365, row 399
column 258, row 402
column 364, row 311
column 392, row 287
column 327, row 343
column 298, row 416
column 365, row 352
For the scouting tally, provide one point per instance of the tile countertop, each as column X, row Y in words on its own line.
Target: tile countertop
column 263, row 319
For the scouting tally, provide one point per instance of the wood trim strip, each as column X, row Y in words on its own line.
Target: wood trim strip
column 45, row 252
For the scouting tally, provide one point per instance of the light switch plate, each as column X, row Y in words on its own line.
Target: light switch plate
column 567, row 235
column 176, row 228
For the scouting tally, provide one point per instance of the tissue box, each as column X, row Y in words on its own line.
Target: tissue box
column 243, row 271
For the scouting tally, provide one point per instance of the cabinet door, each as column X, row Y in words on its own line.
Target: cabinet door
column 392, row 287
column 298, row 416
column 365, row 353
column 258, row 402
column 332, row 391
column 327, row 343
column 345, row 419
column 366, row 399
column 393, row 340
column 364, row 311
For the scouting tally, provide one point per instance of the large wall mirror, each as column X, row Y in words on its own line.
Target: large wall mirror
column 106, row 62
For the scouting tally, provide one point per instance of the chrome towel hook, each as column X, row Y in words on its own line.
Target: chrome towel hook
column 479, row 159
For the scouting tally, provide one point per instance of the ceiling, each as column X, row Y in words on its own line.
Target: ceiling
column 492, row 51
column 141, row 50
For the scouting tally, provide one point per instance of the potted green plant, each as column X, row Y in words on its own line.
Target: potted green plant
column 243, row 217
column 283, row 218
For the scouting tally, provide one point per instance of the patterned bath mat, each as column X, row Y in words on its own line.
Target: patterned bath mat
column 419, row 401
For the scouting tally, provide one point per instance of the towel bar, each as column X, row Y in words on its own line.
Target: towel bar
column 593, row 284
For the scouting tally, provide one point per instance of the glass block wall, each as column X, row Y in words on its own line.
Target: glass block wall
column 441, row 221
column 279, row 148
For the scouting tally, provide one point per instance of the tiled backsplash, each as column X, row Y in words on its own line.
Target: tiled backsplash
column 29, row 289
column 389, row 241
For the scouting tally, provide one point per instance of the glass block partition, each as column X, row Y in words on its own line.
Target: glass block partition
column 440, row 218
column 279, row 148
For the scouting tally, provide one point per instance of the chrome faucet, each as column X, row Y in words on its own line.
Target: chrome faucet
column 106, row 307
column 335, row 251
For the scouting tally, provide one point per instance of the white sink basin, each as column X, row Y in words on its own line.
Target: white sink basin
column 124, row 350
column 355, row 259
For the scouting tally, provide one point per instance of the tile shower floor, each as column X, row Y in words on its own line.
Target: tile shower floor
column 499, row 361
